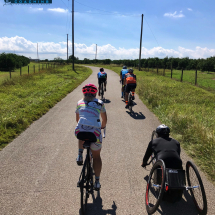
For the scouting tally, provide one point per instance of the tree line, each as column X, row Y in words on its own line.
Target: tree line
column 12, row 61
column 167, row 63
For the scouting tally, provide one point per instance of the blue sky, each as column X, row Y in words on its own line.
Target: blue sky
column 175, row 28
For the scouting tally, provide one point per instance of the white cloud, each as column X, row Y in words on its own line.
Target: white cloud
column 36, row 9
column 50, row 50
column 189, row 9
column 58, row 10
column 175, row 15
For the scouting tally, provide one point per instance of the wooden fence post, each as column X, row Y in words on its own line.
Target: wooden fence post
column 10, row 73
column 196, row 78
column 157, row 69
column 164, row 71
column 182, row 74
column 171, row 72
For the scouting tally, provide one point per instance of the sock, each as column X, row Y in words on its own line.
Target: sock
column 80, row 151
column 122, row 93
column 126, row 102
column 97, row 178
column 132, row 94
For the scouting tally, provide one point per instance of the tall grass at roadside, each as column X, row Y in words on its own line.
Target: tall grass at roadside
column 26, row 98
column 188, row 110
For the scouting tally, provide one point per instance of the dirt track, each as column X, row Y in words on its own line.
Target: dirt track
column 38, row 172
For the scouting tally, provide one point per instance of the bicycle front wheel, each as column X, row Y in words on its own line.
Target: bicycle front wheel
column 155, row 187
column 198, row 191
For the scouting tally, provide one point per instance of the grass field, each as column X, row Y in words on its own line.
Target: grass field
column 189, row 111
column 38, row 66
column 205, row 80
column 26, row 98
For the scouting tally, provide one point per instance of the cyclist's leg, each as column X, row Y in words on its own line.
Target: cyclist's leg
column 79, row 159
column 97, row 161
column 133, row 91
column 122, row 90
column 105, row 82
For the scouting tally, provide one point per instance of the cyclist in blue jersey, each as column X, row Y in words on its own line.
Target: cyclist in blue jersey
column 102, row 78
column 122, row 76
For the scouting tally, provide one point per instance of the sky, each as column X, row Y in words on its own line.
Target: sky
column 172, row 28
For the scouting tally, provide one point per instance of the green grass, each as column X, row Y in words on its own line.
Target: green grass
column 26, row 98
column 188, row 110
column 16, row 73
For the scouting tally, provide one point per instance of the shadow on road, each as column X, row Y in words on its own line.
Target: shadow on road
column 136, row 115
column 185, row 206
column 96, row 208
column 106, row 100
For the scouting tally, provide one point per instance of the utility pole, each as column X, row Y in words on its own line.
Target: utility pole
column 96, row 52
column 67, row 48
column 141, row 41
column 73, row 54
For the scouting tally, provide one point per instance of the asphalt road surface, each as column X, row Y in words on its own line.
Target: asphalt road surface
column 38, row 171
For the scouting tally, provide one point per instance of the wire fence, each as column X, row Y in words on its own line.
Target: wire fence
column 204, row 80
column 26, row 70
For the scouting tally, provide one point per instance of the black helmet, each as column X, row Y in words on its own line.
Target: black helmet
column 162, row 130
column 130, row 70
column 124, row 67
column 101, row 69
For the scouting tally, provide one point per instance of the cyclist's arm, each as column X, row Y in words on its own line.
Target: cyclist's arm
column 104, row 119
column 77, row 117
column 148, row 153
column 121, row 75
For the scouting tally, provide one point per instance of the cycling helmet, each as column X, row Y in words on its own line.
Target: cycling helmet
column 162, row 130
column 101, row 69
column 130, row 70
column 124, row 67
column 89, row 89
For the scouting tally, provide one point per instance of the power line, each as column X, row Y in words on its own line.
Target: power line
column 151, row 31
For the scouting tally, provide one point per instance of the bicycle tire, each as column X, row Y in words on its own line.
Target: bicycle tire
column 195, row 193
column 130, row 102
column 102, row 91
column 155, row 189
column 84, row 186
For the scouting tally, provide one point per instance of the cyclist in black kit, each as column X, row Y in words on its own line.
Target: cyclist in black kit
column 165, row 148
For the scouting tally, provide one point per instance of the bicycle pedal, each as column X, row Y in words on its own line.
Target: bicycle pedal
column 80, row 163
column 78, row 184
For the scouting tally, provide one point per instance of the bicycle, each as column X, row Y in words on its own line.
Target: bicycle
column 87, row 175
column 102, row 90
column 130, row 101
column 164, row 181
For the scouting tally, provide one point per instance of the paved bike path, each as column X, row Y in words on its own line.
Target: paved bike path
column 38, row 172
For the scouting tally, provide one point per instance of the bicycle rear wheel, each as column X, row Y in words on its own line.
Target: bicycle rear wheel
column 84, row 187
column 155, row 187
column 198, row 192
column 130, row 102
column 102, row 90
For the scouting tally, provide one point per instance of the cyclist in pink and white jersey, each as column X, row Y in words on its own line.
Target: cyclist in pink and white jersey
column 88, row 112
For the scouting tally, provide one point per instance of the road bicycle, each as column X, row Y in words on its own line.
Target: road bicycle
column 87, row 176
column 165, row 184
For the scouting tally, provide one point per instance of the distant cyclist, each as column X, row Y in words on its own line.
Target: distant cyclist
column 122, row 76
column 102, row 78
column 130, row 85
column 167, row 149
column 88, row 112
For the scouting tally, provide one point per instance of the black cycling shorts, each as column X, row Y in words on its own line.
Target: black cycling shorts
column 130, row 87
column 101, row 80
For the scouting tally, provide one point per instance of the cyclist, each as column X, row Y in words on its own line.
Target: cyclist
column 167, row 149
column 102, row 78
column 88, row 112
column 130, row 85
column 122, row 76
